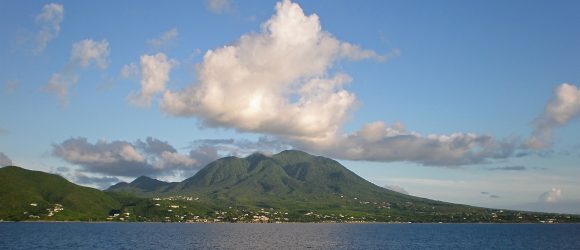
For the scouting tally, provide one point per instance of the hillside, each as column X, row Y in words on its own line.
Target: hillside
column 290, row 176
column 142, row 186
column 304, row 188
column 27, row 194
column 291, row 186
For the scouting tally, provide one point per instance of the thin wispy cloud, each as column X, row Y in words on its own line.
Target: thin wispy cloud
column 396, row 188
column 11, row 86
column 165, row 40
column 509, row 168
column 84, row 54
column 492, row 196
column 49, row 20
column 219, row 6
column 59, row 84
column 101, row 182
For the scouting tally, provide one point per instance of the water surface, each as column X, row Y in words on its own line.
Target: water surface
column 287, row 236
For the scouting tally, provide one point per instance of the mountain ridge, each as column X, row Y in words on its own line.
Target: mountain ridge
column 291, row 186
column 26, row 194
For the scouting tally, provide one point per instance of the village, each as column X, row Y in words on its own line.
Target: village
column 187, row 209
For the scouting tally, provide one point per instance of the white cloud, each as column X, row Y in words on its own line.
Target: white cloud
column 59, row 84
column 83, row 54
column 4, row 160
column 219, row 6
column 100, row 182
column 88, row 51
column 49, row 19
column 378, row 142
column 174, row 158
column 165, row 40
column 129, row 70
column 276, row 81
column 564, row 107
column 282, row 82
column 552, row 195
column 155, row 71
column 151, row 157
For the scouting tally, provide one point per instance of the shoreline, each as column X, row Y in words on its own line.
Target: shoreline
column 344, row 223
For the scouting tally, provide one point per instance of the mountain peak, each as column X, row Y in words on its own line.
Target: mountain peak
column 143, row 178
column 293, row 152
column 141, row 184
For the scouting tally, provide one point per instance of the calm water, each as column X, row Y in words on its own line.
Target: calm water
column 287, row 236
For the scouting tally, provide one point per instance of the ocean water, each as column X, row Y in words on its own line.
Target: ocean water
column 287, row 236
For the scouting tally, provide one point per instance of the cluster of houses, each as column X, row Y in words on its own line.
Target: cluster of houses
column 176, row 198
column 119, row 216
column 51, row 211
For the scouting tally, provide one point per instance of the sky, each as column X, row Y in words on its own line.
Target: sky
column 473, row 102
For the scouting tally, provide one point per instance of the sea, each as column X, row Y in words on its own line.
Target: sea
column 67, row 235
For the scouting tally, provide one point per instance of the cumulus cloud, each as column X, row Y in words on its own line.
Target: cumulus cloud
column 83, row 54
column 218, row 6
column 49, row 19
column 86, row 52
column 277, row 81
column 155, row 71
column 564, row 107
column 4, row 160
column 165, row 40
column 282, row 82
column 396, row 188
column 379, row 142
column 552, row 195
column 151, row 157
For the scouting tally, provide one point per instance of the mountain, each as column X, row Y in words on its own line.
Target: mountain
column 291, row 186
column 304, row 188
column 142, row 186
column 27, row 194
column 291, row 176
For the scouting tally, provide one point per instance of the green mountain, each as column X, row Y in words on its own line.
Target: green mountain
column 303, row 188
column 142, row 186
column 27, row 194
column 291, row 176
column 285, row 187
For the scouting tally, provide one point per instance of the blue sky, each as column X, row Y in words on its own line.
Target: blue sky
column 468, row 102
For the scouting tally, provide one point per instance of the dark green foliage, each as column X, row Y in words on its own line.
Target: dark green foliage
column 142, row 186
column 298, row 184
column 19, row 188
column 289, row 186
